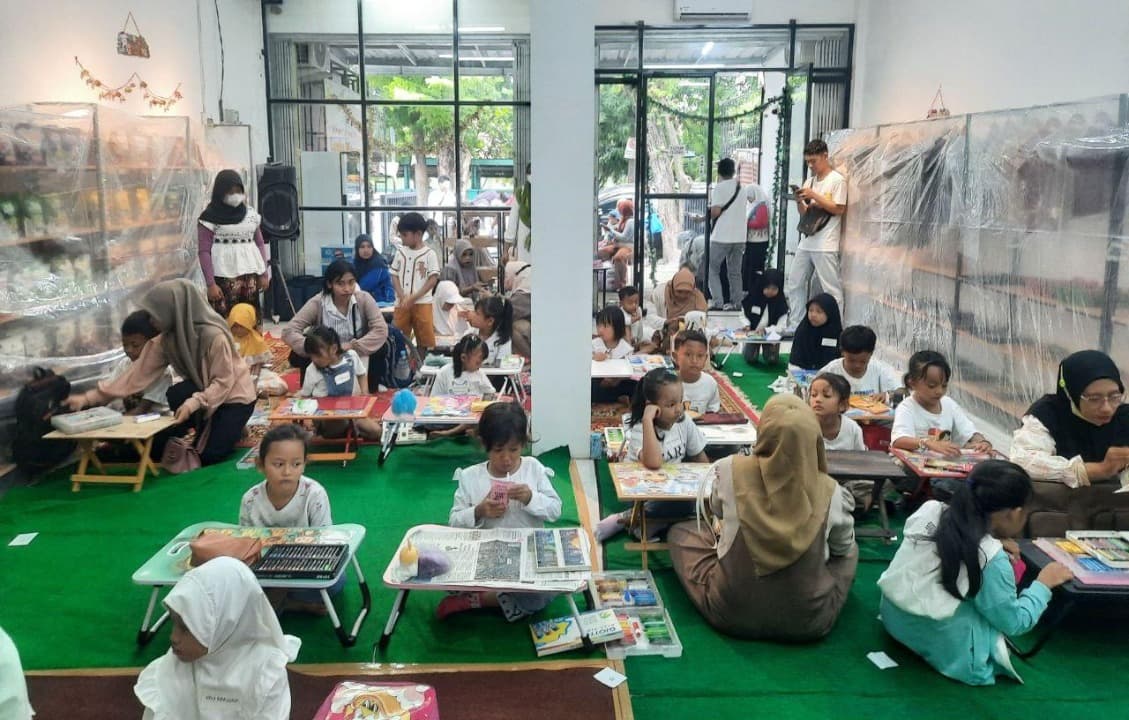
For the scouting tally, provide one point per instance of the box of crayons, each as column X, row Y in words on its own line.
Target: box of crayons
column 646, row 631
column 624, row 589
column 295, row 561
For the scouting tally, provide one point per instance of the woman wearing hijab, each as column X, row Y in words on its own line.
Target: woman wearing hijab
column 14, row 704
column 217, row 389
column 372, row 272
column 766, row 309
column 682, row 296
column 519, row 276
column 461, row 269
column 233, row 255
column 1075, row 445
column 228, row 655
column 816, row 342
column 775, row 555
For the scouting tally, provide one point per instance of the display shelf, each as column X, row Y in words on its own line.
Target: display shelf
column 101, row 209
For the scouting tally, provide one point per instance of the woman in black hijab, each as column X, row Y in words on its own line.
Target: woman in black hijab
column 766, row 309
column 817, row 338
column 1075, row 445
column 233, row 255
column 372, row 271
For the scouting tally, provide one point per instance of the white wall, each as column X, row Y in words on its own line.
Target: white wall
column 563, row 105
column 987, row 55
column 40, row 41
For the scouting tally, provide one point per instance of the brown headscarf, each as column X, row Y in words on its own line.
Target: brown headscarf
column 782, row 490
column 683, row 280
column 188, row 326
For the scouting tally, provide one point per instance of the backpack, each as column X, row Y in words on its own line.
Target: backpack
column 401, row 361
column 758, row 217
column 38, row 400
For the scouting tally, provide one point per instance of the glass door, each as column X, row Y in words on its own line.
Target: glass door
column 617, row 182
column 795, row 123
column 672, row 227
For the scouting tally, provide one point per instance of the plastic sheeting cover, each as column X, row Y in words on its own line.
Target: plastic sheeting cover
column 994, row 238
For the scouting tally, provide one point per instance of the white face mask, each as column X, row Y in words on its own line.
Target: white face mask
column 234, row 200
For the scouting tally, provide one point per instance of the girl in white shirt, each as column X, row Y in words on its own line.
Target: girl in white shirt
column 506, row 491
column 928, row 419
column 287, row 498
column 464, row 375
column 658, row 432
column 610, row 342
column 228, row 655
column 493, row 319
column 829, row 396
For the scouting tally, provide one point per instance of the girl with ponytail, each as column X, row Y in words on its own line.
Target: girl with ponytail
column 953, row 579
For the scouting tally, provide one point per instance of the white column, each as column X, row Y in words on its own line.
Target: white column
column 563, row 142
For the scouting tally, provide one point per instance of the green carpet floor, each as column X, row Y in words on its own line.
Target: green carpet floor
column 67, row 599
column 720, row 677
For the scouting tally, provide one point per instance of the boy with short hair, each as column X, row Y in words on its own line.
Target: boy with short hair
column 865, row 375
column 137, row 330
column 415, row 273
column 632, row 314
column 699, row 389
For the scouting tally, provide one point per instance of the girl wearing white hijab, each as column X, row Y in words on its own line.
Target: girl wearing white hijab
column 228, row 655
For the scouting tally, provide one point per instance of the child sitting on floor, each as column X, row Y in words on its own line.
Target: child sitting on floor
column 699, row 389
column 228, row 655
column 137, row 330
column 950, row 592
column 334, row 373
column 287, row 498
column 506, row 491
column 658, row 432
column 817, row 338
column 766, row 309
column 865, row 375
column 253, row 348
column 610, row 342
column 462, row 376
column 928, row 419
column 493, row 320
column 829, row 396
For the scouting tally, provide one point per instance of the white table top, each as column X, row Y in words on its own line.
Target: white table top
column 433, row 370
column 611, row 369
column 745, row 434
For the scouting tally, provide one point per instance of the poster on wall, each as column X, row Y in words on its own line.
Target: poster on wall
column 130, row 44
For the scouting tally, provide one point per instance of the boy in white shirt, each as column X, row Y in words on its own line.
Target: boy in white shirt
column 415, row 273
column 865, row 375
column 137, row 330
column 699, row 390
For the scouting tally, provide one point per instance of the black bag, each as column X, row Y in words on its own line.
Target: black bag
column 38, row 400
column 812, row 221
column 401, row 361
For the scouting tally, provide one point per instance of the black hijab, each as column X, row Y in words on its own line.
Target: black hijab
column 777, row 307
column 808, row 349
column 362, row 266
column 1074, row 435
column 218, row 212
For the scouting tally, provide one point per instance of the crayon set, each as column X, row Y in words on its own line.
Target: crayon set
column 288, row 561
column 647, row 631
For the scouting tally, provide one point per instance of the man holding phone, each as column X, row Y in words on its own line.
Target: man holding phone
column 818, row 253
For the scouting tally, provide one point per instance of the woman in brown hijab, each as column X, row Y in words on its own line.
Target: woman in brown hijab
column 775, row 556
column 216, row 389
column 682, row 296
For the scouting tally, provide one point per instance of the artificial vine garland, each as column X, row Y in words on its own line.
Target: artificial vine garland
column 133, row 82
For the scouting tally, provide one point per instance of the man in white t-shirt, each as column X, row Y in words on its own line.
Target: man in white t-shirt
column 728, row 208
column 825, row 190
column 415, row 273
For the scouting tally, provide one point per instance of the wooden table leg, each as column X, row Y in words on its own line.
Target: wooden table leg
column 143, row 462
column 87, row 449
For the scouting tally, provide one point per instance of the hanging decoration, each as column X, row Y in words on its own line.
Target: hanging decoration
column 726, row 118
column 119, row 93
column 130, row 44
column 937, row 108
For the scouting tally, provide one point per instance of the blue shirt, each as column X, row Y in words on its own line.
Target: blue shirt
column 965, row 646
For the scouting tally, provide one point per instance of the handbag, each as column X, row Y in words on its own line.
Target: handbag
column 130, row 44
column 209, row 545
column 813, row 220
column 182, row 455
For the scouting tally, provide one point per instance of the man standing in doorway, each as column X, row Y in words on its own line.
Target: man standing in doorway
column 727, row 235
column 825, row 191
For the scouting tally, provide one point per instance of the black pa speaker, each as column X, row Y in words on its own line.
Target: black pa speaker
column 278, row 201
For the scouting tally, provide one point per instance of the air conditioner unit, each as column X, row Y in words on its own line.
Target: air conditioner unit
column 312, row 58
column 699, row 10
